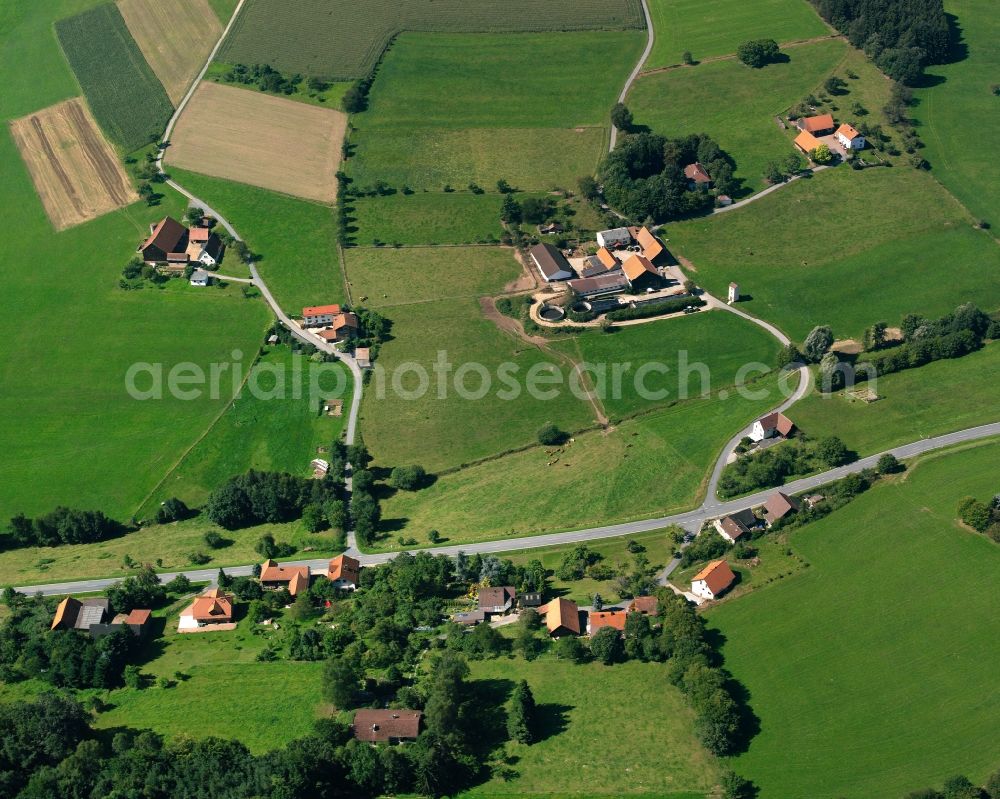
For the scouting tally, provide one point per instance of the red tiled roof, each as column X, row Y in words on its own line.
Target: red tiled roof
column 213, row 605
column 806, row 142
column 717, row 576
column 697, row 173
column 320, row 310
column 344, row 567
column 848, row 132
column 819, row 122
column 649, row 605
column 561, row 613
column 138, row 616
column 374, row 725
column 166, row 236
column 651, row 246
column 607, row 258
column 606, row 618
column 297, row 577
column 777, row 421
column 636, row 265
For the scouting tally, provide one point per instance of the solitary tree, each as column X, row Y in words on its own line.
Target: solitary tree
column 888, row 464
column 757, row 52
column 510, row 211
column 550, row 435
column 521, row 715
column 598, row 602
column 818, row 341
column 621, row 118
column 832, row 451
column 606, row 645
column 821, row 155
column 687, row 58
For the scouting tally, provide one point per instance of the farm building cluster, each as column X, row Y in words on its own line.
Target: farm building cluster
column 560, row 616
column 171, row 246
column 622, row 271
column 331, row 323
column 92, row 615
column 821, row 129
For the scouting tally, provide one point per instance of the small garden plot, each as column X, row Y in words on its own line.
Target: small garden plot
column 128, row 101
column 175, row 36
column 75, row 171
column 266, row 141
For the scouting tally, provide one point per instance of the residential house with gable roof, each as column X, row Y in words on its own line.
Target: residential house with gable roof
column 294, row 578
column 562, row 617
column 374, row 725
column 213, row 610
column 344, row 572
column 713, row 581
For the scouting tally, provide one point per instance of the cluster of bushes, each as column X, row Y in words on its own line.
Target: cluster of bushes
column 643, row 176
column 268, row 497
column 355, row 99
column 900, row 43
column 654, row 309
column 960, row 787
column 757, row 53
column 60, row 526
column 982, row 517
column 629, row 579
column 952, row 336
column 776, row 465
column 268, row 79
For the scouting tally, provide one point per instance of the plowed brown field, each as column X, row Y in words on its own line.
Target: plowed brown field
column 75, row 171
column 266, row 141
column 175, row 36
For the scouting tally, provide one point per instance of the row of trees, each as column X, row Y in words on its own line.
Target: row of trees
column 643, row 176
column 901, row 41
column 268, row 79
column 60, row 526
column 776, row 465
column 268, row 497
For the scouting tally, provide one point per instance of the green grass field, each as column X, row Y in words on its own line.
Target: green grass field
column 70, row 334
column 846, row 249
column 431, row 297
column 170, row 545
column 650, row 751
column 296, row 239
column 128, row 101
column 659, row 548
column 953, row 113
column 342, row 40
column 655, row 464
column 918, row 403
column 223, row 9
column 427, row 218
column 741, row 118
column 247, row 435
column 873, row 670
column 702, row 354
column 224, row 677
column 717, row 27
column 450, row 109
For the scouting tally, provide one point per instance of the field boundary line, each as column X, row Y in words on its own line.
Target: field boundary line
column 732, row 56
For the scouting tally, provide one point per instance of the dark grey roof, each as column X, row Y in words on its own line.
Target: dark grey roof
column 549, row 260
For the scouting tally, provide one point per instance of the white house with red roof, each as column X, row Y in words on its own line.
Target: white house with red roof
column 850, row 138
column 713, row 581
column 774, row 424
column 317, row 315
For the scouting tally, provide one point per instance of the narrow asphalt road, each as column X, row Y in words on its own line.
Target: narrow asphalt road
column 650, row 40
column 690, row 520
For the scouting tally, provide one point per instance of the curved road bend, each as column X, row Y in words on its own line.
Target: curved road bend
column 690, row 520
column 255, row 278
column 650, row 39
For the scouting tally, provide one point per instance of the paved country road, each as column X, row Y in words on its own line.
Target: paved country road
column 690, row 520
column 650, row 39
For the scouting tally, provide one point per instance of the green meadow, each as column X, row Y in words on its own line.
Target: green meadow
column 426, row 218
column 272, row 431
column 654, row 464
column 294, row 239
column 954, row 112
column 918, row 403
column 873, row 671
column 450, row 109
column 168, row 547
column 707, row 28
column 846, row 249
column 734, row 104
column 692, row 355
column 579, row 756
column 70, row 334
column 432, row 297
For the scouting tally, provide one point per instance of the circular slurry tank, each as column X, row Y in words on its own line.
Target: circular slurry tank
column 582, row 307
column 551, row 313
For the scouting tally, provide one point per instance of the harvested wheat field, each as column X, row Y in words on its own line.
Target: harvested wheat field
column 75, row 171
column 262, row 140
column 175, row 36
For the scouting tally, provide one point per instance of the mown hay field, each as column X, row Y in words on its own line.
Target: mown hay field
column 342, row 39
column 175, row 36
column 75, row 171
column 266, row 141
column 128, row 101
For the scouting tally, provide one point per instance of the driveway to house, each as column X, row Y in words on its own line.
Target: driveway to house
column 691, row 520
